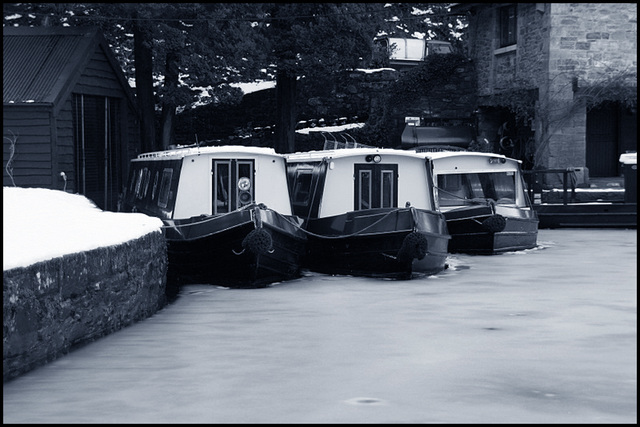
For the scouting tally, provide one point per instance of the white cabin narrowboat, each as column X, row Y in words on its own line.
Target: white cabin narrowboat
column 368, row 212
column 484, row 199
column 226, row 211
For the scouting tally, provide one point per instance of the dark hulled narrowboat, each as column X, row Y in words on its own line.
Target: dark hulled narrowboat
column 484, row 199
column 226, row 211
column 368, row 212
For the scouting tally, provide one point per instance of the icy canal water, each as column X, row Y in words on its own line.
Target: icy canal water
column 547, row 335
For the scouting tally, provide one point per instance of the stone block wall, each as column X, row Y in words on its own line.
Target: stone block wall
column 591, row 45
column 53, row 306
column 565, row 51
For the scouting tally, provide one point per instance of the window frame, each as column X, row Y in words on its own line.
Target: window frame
column 233, row 192
column 508, row 25
column 376, row 191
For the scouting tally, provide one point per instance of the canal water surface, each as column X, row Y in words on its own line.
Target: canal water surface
column 547, row 335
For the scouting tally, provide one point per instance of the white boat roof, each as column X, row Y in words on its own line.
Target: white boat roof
column 182, row 152
column 629, row 158
column 449, row 154
column 350, row 152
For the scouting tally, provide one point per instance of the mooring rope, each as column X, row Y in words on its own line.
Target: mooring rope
column 342, row 236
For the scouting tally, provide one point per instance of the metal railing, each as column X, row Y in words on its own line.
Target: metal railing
column 535, row 186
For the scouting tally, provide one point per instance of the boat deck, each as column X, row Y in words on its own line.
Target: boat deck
column 604, row 204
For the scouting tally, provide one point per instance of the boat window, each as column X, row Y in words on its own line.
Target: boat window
column 155, row 186
column 145, row 186
column 233, row 184
column 306, row 183
column 165, row 187
column 138, row 182
column 460, row 189
column 364, row 201
column 222, row 176
column 302, row 187
column 132, row 184
column 142, row 183
column 244, row 183
column 386, row 189
column 504, row 186
column 376, row 186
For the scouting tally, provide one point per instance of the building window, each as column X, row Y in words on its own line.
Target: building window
column 508, row 26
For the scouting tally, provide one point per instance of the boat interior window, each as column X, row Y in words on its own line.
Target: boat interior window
column 504, row 187
column 302, row 187
column 244, row 183
column 134, row 182
column 155, row 186
column 222, row 173
column 386, row 189
column 306, row 183
column 364, row 188
column 376, row 186
column 460, row 189
column 165, row 187
column 145, row 185
column 138, row 182
column 233, row 184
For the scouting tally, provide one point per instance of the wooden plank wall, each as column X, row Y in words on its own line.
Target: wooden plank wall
column 30, row 128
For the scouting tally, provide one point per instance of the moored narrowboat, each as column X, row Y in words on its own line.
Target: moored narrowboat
column 484, row 199
column 368, row 212
column 226, row 211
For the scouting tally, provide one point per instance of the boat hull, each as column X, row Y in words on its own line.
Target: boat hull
column 369, row 243
column 472, row 231
column 209, row 249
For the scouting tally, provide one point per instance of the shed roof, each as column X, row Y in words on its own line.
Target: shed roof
column 40, row 65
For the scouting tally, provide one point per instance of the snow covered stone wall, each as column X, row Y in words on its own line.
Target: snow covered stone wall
column 53, row 306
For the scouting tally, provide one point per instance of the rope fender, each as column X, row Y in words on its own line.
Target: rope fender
column 414, row 245
column 495, row 223
column 258, row 241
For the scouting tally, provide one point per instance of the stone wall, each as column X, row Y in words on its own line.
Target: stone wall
column 53, row 306
column 567, row 51
column 591, row 46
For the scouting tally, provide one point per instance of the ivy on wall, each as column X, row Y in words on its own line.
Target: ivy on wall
column 435, row 72
column 614, row 88
column 414, row 86
column 520, row 102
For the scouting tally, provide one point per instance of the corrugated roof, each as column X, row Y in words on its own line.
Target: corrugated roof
column 37, row 62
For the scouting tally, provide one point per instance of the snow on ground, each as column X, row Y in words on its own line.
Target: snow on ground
column 255, row 86
column 40, row 224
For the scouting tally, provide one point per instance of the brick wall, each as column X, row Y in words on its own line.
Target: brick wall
column 53, row 306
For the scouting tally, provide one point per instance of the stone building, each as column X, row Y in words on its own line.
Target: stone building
column 557, row 82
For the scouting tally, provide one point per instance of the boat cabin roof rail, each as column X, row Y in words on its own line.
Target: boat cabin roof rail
column 194, row 151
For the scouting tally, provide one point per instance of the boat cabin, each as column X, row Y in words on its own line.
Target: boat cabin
column 331, row 182
column 405, row 52
column 464, row 178
column 194, row 181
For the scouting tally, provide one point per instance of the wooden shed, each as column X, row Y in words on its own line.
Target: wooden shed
column 69, row 120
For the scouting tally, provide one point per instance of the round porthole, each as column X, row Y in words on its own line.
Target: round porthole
column 244, row 184
column 245, row 197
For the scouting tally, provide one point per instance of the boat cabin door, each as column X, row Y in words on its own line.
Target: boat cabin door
column 233, row 184
column 376, row 186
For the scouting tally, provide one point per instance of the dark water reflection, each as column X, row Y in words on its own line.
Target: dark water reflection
column 547, row 335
